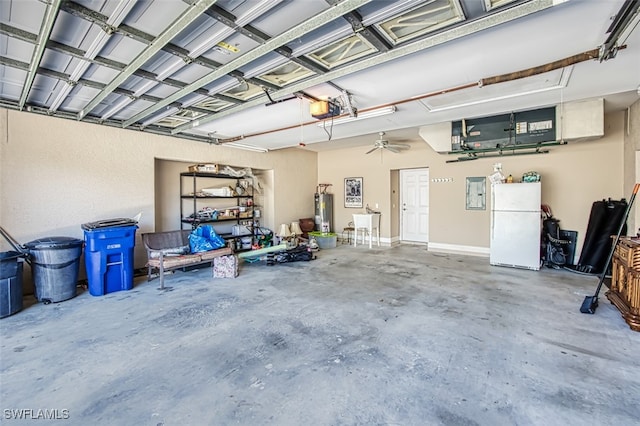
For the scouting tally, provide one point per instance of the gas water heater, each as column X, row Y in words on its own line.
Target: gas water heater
column 323, row 212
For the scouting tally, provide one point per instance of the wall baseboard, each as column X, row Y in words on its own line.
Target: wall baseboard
column 433, row 247
column 458, row 249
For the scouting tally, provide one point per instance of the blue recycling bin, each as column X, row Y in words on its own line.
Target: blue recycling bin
column 108, row 255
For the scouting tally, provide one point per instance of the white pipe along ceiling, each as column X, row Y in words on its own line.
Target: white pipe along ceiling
column 226, row 71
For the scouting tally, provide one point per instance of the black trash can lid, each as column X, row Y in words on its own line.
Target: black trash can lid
column 53, row 243
column 108, row 223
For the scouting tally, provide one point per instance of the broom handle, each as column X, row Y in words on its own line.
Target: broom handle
column 615, row 242
column 11, row 240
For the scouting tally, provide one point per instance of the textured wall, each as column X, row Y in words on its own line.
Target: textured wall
column 57, row 174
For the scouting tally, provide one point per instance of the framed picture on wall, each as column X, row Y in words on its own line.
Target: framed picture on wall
column 353, row 192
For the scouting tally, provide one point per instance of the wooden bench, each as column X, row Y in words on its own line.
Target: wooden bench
column 169, row 250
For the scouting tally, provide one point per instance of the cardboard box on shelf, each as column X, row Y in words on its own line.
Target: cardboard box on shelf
column 207, row 168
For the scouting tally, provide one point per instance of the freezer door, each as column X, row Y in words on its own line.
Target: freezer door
column 515, row 239
column 516, row 196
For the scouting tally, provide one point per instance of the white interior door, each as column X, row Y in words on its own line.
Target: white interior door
column 414, row 205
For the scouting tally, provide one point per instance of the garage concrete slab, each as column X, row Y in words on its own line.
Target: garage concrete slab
column 388, row 336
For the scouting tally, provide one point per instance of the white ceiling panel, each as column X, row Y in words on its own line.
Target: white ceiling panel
column 131, row 109
column 100, row 74
column 123, row 49
column 16, row 49
column 154, row 16
column 70, row 30
column 57, row 61
column 11, row 82
column 190, row 73
column 78, row 98
column 26, row 15
column 161, row 90
column 42, row 90
column 272, row 23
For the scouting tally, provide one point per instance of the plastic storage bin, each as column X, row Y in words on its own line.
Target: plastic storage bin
column 55, row 262
column 10, row 283
column 108, row 256
column 325, row 240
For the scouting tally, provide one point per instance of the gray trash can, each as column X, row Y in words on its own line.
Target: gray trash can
column 10, row 283
column 55, row 263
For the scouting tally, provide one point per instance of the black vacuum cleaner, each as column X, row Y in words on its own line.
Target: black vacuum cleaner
column 590, row 303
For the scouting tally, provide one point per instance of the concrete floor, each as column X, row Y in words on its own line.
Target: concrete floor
column 389, row 336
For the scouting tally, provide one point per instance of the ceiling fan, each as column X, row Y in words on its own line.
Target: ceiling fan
column 381, row 143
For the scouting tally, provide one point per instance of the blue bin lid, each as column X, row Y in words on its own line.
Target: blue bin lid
column 108, row 223
column 53, row 243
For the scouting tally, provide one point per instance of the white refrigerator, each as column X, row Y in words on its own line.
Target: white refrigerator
column 515, row 225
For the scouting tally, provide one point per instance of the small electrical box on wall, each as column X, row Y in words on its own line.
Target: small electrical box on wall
column 324, row 109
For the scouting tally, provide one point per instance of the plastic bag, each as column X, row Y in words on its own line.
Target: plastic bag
column 204, row 238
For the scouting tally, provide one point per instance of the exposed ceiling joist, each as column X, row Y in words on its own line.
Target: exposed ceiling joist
column 98, row 60
column 41, row 43
column 275, row 42
column 368, row 32
column 122, row 9
column 464, row 29
column 178, row 25
column 18, row 33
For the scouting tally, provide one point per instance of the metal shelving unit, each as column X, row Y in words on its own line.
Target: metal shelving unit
column 198, row 208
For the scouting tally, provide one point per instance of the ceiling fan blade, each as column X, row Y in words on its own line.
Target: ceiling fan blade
column 399, row 146
column 371, row 150
column 392, row 149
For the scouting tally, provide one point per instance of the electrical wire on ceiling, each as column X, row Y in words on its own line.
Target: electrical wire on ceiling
column 329, row 131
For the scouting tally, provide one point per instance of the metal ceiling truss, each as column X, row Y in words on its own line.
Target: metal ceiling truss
column 80, row 54
column 275, row 42
column 213, row 11
column 455, row 32
column 218, row 104
column 41, row 43
column 258, row 36
column 178, row 25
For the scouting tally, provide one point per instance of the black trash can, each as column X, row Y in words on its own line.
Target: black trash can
column 55, row 263
column 11, row 264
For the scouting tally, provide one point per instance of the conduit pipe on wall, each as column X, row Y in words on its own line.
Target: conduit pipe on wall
column 503, row 78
